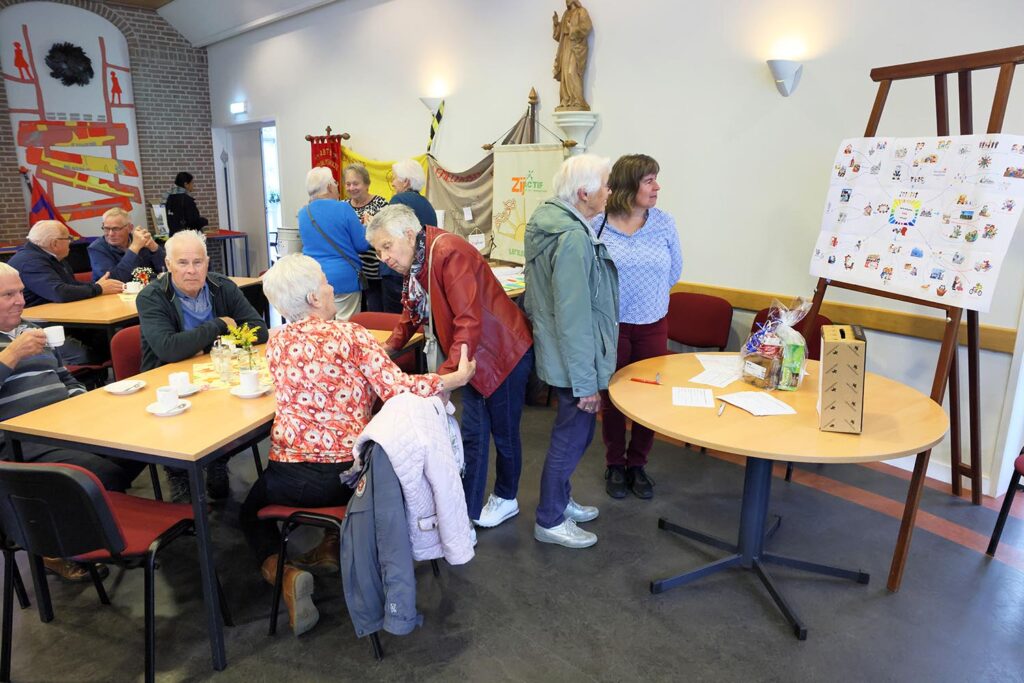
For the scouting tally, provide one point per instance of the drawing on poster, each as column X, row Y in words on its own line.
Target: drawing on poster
column 930, row 218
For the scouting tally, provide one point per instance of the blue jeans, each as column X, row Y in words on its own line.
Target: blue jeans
column 572, row 433
column 499, row 415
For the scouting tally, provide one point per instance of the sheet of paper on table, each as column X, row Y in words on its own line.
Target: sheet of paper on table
column 717, row 377
column 758, row 403
column 692, row 397
column 726, row 361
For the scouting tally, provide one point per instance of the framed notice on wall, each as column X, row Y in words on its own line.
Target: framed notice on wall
column 522, row 180
column 930, row 218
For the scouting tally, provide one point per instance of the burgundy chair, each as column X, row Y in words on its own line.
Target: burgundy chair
column 126, row 352
column 59, row 510
column 813, row 339
column 85, row 276
column 1004, row 512
column 373, row 320
column 699, row 320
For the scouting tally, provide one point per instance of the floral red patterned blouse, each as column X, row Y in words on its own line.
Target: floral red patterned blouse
column 327, row 375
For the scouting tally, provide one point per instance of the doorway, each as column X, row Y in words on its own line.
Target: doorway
column 271, row 189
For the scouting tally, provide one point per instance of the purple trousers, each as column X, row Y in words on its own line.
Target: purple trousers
column 572, row 433
column 636, row 342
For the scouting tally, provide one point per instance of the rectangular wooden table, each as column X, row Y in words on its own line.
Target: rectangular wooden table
column 108, row 312
column 215, row 425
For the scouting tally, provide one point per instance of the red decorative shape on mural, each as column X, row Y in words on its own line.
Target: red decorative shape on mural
column 20, row 63
column 115, row 89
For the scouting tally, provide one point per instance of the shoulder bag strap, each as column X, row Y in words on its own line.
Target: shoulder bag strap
column 430, row 283
column 332, row 243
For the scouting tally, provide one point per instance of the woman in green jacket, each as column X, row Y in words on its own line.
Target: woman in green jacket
column 571, row 298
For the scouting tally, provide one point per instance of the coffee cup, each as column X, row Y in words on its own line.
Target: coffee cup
column 54, row 335
column 166, row 398
column 132, row 287
column 180, row 381
column 249, row 381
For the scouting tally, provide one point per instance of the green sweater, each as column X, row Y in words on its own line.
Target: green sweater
column 572, row 299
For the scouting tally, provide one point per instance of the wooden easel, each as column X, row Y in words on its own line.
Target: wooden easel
column 946, row 368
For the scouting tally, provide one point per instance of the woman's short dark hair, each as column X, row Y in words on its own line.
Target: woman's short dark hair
column 359, row 170
column 624, row 181
column 183, row 179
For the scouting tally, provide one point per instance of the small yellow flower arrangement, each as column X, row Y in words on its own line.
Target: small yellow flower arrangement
column 243, row 338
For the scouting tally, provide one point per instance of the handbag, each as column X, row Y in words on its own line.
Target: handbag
column 431, row 348
column 363, row 282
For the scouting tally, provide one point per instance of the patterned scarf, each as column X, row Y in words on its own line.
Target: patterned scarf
column 414, row 297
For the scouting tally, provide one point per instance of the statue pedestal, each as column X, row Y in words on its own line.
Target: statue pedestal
column 577, row 126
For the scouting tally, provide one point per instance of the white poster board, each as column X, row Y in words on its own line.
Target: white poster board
column 522, row 180
column 929, row 218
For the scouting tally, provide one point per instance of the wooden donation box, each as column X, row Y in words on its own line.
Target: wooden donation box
column 841, row 380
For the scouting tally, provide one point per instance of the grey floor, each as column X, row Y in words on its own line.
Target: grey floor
column 523, row 611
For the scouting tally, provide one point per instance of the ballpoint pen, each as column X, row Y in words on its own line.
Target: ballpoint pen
column 721, row 409
column 656, row 380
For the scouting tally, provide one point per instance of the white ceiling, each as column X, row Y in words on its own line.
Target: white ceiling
column 203, row 22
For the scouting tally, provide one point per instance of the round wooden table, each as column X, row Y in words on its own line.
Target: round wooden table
column 898, row 421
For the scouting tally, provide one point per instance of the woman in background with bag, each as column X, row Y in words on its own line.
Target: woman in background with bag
column 332, row 234
column 450, row 290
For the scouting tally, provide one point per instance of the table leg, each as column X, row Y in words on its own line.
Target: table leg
column 749, row 551
column 245, row 241
column 214, row 623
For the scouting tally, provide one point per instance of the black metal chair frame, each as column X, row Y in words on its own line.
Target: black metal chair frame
column 1004, row 511
column 100, row 515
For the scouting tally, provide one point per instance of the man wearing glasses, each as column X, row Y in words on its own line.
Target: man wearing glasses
column 124, row 248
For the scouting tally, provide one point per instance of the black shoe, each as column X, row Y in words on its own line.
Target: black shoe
column 615, row 481
column 178, row 485
column 217, row 486
column 640, row 484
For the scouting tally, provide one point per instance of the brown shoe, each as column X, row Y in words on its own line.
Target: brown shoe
column 75, row 572
column 297, row 590
column 323, row 559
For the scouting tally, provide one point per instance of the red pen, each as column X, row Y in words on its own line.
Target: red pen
column 645, row 381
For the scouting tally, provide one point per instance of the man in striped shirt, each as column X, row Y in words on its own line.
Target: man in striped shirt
column 32, row 375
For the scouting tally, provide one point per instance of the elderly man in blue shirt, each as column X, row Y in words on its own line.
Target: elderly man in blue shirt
column 124, row 248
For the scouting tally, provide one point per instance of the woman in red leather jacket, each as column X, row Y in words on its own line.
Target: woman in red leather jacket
column 469, row 307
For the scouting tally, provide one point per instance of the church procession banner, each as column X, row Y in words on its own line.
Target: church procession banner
column 930, row 218
column 325, row 150
column 71, row 103
column 465, row 199
column 522, row 180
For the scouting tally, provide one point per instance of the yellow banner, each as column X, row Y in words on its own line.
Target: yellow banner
column 380, row 171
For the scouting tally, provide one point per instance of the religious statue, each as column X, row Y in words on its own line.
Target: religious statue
column 571, row 33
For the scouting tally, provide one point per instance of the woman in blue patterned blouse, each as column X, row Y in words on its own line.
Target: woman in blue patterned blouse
column 644, row 244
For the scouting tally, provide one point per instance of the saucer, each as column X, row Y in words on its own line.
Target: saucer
column 182, row 406
column 237, row 391
column 124, row 387
column 187, row 391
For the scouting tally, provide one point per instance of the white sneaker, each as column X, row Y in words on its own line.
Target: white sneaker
column 496, row 511
column 472, row 534
column 580, row 513
column 566, row 534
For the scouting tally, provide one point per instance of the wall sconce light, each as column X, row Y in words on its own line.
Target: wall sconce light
column 432, row 103
column 238, row 107
column 786, row 74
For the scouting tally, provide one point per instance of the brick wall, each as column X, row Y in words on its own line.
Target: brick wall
column 172, row 115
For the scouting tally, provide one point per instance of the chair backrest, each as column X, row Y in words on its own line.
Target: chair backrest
column 56, row 510
column 812, row 336
column 373, row 320
column 126, row 352
column 699, row 320
column 84, row 276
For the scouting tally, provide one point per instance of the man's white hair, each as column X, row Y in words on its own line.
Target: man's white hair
column 180, row 239
column 394, row 220
column 117, row 212
column 582, row 172
column 8, row 269
column 44, row 232
column 289, row 282
column 407, row 169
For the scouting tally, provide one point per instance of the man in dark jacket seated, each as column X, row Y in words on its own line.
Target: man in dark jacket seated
column 32, row 375
column 124, row 248
column 181, row 314
column 48, row 278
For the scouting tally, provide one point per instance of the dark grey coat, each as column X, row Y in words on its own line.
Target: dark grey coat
column 376, row 555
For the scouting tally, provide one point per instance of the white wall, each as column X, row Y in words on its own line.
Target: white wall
column 744, row 170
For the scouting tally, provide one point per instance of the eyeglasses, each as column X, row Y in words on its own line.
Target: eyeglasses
column 114, row 228
column 68, row 239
